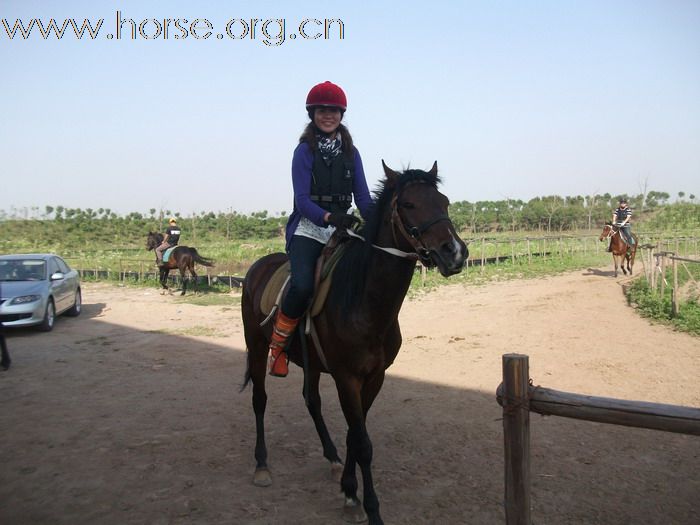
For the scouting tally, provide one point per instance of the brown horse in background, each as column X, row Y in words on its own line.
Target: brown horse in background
column 358, row 327
column 182, row 257
column 621, row 251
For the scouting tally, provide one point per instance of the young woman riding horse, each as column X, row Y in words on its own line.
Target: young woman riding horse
column 358, row 328
column 327, row 173
column 183, row 258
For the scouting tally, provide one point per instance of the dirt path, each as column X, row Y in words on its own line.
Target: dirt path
column 131, row 414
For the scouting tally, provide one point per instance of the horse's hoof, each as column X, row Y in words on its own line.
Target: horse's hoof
column 162, row 292
column 336, row 471
column 262, row 478
column 353, row 512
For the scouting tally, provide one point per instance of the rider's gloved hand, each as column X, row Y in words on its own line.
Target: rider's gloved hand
column 342, row 220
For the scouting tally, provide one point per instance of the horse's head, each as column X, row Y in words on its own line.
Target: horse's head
column 420, row 220
column 607, row 232
column 153, row 240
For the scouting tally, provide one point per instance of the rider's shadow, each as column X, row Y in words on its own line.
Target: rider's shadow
column 599, row 273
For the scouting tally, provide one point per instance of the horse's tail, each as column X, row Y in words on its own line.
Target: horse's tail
column 204, row 261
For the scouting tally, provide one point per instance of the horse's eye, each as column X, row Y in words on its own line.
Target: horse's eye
column 407, row 205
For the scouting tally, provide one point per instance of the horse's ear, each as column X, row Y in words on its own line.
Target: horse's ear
column 433, row 170
column 391, row 176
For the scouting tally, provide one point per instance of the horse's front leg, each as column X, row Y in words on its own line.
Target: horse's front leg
column 314, row 406
column 359, row 452
column 164, row 280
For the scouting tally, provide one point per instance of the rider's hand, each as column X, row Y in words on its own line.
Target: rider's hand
column 342, row 220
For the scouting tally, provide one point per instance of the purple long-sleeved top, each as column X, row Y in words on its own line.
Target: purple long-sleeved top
column 302, row 163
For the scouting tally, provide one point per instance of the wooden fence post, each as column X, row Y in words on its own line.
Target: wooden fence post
column 483, row 254
column 674, row 293
column 529, row 255
column 516, row 432
column 663, row 274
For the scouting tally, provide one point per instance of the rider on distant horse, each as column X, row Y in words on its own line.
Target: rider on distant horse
column 172, row 237
column 621, row 218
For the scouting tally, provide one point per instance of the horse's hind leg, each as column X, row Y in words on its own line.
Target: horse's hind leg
column 314, row 406
column 184, row 281
column 193, row 276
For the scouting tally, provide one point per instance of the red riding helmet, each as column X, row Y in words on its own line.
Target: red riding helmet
column 327, row 94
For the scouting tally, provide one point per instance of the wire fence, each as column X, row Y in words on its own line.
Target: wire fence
column 482, row 251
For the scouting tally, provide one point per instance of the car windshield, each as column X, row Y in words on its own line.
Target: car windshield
column 23, row 270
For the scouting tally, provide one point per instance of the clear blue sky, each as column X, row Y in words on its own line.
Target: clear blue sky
column 513, row 99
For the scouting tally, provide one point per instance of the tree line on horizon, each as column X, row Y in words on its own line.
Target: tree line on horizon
column 546, row 214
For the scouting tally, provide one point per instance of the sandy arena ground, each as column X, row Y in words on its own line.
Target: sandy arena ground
column 130, row 414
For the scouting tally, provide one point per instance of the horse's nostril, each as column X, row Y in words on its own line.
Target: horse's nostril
column 448, row 248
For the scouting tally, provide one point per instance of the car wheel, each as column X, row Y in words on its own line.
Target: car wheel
column 49, row 317
column 75, row 310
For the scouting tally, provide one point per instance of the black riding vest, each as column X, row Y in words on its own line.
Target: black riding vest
column 331, row 186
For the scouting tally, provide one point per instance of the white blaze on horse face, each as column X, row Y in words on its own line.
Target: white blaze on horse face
column 456, row 249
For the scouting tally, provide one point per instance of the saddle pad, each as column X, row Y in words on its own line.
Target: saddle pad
column 279, row 278
column 272, row 288
column 166, row 254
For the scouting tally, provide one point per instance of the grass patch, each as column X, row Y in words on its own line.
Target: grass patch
column 658, row 308
column 507, row 270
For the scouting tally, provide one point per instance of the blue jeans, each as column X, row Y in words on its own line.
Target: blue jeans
column 303, row 254
column 626, row 232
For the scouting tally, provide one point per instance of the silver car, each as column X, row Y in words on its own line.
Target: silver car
column 35, row 288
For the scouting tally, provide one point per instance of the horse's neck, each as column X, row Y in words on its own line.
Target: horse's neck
column 388, row 278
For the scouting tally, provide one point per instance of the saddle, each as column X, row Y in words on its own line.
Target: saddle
column 278, row 285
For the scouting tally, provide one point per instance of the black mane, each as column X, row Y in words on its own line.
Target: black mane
column 350, row 274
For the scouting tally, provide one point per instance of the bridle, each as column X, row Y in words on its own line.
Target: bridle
column 611, row 231
column 412, row 234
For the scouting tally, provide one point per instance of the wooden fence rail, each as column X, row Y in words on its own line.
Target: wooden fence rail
column 518, row 398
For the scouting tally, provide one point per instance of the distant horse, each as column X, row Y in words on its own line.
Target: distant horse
column 621, row 251
column 182, row 258
column 358, row 327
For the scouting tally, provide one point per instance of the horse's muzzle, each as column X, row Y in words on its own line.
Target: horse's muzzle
column 450, row 257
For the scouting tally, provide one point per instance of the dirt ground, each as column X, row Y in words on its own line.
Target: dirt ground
column 131, row 414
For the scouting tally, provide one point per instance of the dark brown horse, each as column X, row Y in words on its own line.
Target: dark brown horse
column 183, row 258
column 621, row 251
column 358, row 328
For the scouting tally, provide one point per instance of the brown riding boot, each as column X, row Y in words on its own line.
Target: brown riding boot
column 283, row 328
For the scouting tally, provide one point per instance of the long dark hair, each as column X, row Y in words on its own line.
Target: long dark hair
column 310, row 132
